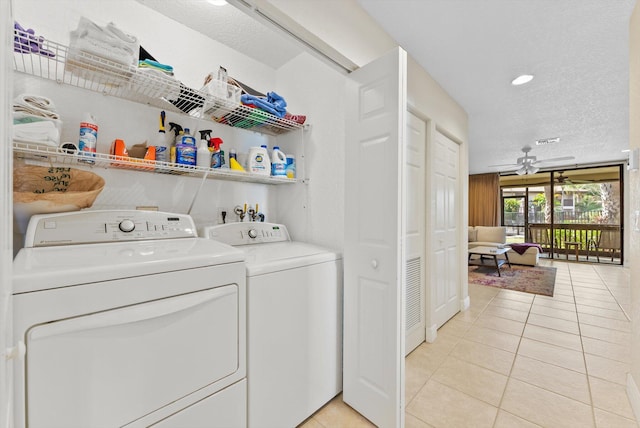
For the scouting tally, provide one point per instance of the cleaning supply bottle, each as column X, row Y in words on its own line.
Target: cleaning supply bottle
column 278, row 162
column 88, row 138
column 217, row 160
column 258, row 161
column 187, row 138
column 178, row 132
column 186, row 154
column 203, row 156
column 223, row 164
column 177, row 129
column 161, row 144
column 205, row 135
column 290, row 170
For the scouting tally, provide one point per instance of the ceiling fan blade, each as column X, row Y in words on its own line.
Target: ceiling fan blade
column 554, row 159
column 506, row 164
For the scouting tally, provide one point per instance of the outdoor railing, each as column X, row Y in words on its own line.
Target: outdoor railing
column 535, row 217
column 591, row 239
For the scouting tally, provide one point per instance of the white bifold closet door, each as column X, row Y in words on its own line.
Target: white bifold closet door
column 445, row 269
column 415, row 234
column 374, row 332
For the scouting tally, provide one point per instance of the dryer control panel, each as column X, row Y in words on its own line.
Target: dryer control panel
column 247, row 233
column 89, row 227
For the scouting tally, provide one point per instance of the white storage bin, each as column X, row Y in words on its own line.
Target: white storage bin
column 222, row 98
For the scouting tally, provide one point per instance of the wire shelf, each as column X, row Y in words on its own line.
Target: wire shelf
column 49, row 155
column 53, row 61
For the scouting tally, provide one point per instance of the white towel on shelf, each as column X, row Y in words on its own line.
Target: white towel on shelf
column 107, row 42
column 35, row 105
column 45, row 133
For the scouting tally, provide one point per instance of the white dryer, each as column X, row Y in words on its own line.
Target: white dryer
column 128, row 320
column 294, row 328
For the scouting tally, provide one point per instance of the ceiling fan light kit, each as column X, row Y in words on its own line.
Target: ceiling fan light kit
column 527, row 164
column 527, row 169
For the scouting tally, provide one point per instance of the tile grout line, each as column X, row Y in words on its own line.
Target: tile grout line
column 506, row 385
column 511, row 371
column 447, row 355
column 613, row 295
column 584, row 357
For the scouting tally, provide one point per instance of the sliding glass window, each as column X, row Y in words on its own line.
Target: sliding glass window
column 574, row 214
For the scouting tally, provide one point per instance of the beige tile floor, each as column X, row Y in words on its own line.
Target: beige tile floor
column 522, row 360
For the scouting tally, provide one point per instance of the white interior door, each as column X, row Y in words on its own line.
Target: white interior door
column 373, row 254
column 415, row 232
column 6, row 216
column 445, row 275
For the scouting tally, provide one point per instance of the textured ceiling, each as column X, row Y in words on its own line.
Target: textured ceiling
column 577, row 50
column 231, row 27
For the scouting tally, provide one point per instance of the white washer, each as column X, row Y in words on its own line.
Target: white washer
column 128, row 319
column 294, row 328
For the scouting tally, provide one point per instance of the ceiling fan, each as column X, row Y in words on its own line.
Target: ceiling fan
column 529, row 164
column 561, row 179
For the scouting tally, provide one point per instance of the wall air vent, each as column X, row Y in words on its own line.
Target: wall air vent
column 547, row 141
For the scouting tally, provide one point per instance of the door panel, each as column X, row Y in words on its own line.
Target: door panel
column 373, row 254
column 445, row 275
column 415, row 235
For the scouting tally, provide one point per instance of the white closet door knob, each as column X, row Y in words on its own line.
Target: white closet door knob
column 374, row 263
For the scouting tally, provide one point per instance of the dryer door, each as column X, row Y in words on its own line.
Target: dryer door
column 109, row 368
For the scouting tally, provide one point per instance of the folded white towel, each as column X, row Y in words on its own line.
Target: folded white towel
column 36, row 105
column 107, row 42
column 44, row 133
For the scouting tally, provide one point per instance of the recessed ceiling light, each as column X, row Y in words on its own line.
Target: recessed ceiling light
column 218, row 2
column 522, row 79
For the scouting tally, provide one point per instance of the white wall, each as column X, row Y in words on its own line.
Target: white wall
column 322, row 90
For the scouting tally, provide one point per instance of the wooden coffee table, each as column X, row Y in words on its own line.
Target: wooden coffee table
column 488, row 254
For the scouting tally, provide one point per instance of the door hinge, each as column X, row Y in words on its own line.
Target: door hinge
column 17, row 352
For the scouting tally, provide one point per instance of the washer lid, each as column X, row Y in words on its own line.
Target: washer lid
column 53, row 267
column 267, row 258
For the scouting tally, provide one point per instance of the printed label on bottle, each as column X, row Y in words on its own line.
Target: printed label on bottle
column 88, row 140
column 278, row 168
column 216, row 160
column 162, row 154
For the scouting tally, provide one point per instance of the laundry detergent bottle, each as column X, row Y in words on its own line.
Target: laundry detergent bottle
column 258, row 161
column 278, row 162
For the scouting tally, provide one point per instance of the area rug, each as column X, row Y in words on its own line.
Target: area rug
column 529, row 279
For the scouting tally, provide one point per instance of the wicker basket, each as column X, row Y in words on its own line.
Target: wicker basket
column 42, row 189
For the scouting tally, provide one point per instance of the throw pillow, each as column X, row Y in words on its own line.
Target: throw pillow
column 473, row 235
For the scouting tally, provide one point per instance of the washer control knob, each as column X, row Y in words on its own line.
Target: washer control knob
column 127, row 225
column 253, row 234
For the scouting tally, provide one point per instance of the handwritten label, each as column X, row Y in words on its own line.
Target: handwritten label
column 60, row 177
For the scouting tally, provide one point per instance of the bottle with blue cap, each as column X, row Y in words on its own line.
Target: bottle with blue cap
column 278, row 163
